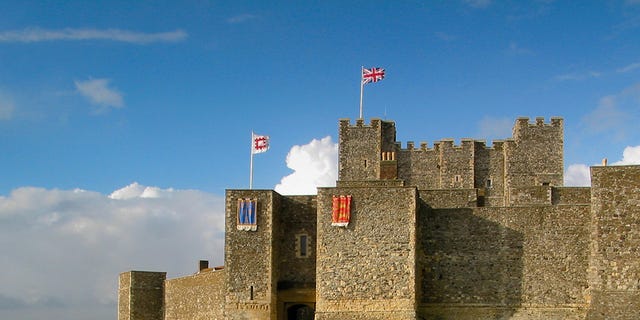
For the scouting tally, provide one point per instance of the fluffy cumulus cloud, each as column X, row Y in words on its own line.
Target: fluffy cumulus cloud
column 579, row 175
column 30, row 35
column 98, row 92
column 313, row 164
column 630, row 155
column 63, row 249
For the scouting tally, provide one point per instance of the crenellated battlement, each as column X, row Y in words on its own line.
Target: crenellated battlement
column 359, row 123
column 522, row 128
column 522, row 122
column 371, row 152
column 451, row 143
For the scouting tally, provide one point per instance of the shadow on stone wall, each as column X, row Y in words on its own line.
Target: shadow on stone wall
column 467, row 264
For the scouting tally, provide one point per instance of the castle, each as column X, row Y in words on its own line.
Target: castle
column 451, row 231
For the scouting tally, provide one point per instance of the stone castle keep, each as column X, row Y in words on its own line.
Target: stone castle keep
column 448, row 231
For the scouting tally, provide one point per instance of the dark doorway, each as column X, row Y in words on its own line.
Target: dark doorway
column 300, row 312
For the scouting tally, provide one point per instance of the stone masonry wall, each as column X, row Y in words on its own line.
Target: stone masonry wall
column 419, row 167
column 450, row 198
column 367, row 270
column 297, row 217
column 360, row 149
column 456, row 164
column 489, row 172
column 141, row 295
column 571, row 195
column 196, row 297
column 532, row 195
column 614, row 271
column 250, row 258
column 503, row 263
column 535, row 155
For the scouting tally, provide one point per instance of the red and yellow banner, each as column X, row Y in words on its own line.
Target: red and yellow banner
column 341, row 211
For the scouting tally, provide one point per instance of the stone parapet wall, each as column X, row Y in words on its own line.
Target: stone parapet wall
column 571, row 195
column 450, row 198
column 196, row 297
column 532, row 195
column 370, row 183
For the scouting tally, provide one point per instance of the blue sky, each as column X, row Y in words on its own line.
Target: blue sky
column 126, row 106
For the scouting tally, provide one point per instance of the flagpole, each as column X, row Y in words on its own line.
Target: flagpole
column 361, row 89
column 251, row 164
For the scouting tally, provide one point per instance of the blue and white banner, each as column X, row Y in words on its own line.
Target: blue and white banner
column 247, row 218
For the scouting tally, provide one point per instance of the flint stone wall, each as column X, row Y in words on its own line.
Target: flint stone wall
column 250, row 258
column 196, row 297
column 141, row 295
column 487, row 263
column 614, row 272
column 368, row 266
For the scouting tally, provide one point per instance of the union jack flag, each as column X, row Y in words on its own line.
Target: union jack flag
column 372, row 75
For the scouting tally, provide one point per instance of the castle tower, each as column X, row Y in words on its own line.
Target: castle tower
column 369, row 265
column 141, row 295
column 614, row 267
column 534, row 157
column 367, row 152
column 250, row 255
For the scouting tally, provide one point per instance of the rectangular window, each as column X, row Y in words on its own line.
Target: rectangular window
column 302, row 245
column 488, row 183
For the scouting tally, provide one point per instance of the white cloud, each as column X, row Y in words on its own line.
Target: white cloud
column 63, row 249
column 577, row 175
column 136, row 190
column 6, row 107
column 313, row 164
column 630, row 155
column 630, row 67
column 37, row 35
column 99, row 93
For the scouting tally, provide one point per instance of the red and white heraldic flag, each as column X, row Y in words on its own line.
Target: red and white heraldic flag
column 259, row 144
column 372, row 75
